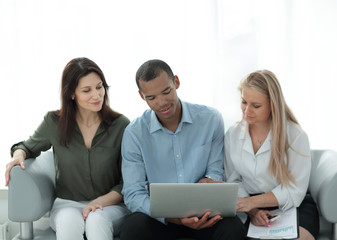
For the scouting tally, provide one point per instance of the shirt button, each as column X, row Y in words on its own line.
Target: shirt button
column 178, row 155
column 180, row 175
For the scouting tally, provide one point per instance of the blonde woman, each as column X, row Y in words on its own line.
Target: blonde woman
column 268, row 154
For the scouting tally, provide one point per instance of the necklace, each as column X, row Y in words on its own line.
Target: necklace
column 88, row 124
column 256, row 141
column 259, row 143
column 258, row 136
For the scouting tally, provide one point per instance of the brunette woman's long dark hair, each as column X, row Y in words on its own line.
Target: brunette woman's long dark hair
column 72, row 73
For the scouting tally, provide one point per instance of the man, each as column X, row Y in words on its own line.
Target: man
column 173, row 141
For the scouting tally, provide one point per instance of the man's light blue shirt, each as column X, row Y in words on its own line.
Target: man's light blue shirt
column 154, row 154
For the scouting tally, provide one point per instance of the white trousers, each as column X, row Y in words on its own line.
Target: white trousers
column 66, row 220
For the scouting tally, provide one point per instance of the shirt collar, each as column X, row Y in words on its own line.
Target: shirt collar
column 101, row 128
column 247, row 143
column 243, row 130
column 155, row 125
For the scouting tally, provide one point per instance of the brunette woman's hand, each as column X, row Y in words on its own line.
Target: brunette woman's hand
column 91, row 207
column 18, row 158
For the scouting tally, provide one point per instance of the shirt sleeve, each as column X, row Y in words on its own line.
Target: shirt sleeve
column 36, row 143
column 121, row 123
column 231, row 175
column 215, row 167
column 135, row 188
column 300, row 167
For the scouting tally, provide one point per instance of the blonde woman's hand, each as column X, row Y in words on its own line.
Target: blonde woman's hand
column 244, row 204
column 18, row 158
column 259, row 217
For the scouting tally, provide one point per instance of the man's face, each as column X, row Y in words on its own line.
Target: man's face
column 161, row 96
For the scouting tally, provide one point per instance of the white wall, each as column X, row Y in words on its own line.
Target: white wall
column 210, row 45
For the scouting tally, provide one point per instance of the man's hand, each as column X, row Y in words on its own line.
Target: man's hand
column 196, row 223
column 209, row 180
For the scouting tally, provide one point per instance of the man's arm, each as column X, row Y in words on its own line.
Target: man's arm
column 135, row 184
column 215, row 167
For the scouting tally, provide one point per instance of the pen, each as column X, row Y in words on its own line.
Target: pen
column 273, row 218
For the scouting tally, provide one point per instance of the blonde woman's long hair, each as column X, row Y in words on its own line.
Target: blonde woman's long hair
column 265, row 82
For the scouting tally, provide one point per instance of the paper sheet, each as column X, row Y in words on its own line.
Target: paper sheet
column 283, row 228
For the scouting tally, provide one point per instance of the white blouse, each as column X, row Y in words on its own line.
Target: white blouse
column 251, row 170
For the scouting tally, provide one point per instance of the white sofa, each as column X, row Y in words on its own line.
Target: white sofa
column 31, row 194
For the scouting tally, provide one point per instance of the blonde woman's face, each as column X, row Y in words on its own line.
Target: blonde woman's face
column 255, row 106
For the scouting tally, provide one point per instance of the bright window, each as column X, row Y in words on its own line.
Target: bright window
column 210, row 45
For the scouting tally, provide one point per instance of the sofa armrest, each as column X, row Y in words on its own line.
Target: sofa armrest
column 31, row 192
column 323, row 182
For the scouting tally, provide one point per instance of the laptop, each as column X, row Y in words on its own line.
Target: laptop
column 178, row 200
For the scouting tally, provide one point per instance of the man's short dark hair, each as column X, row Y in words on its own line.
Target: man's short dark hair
column 152, row 69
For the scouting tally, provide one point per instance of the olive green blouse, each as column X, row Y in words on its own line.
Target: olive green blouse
column 82, row 174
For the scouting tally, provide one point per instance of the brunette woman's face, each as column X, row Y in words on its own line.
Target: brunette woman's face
column 89, row 93
column 255, row 106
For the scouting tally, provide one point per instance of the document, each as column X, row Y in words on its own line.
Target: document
column 285, row 227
